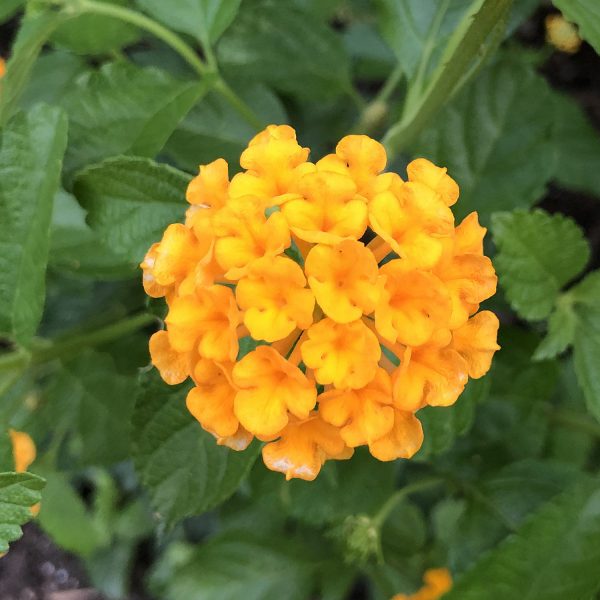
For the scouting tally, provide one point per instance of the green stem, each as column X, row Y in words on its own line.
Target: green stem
column 574, row 421
column 251, row 117
column 71, row 345
column 14, row 360
column 397, row 497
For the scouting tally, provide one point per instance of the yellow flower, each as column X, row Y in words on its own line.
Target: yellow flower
column 345, row 355
column 434, row 374
column 244, row 235
column 23, row 450
column 562, row 34
column 275, row 299
column 413, row 305
column 412, row 218
column 276, row 256
column 344, row 279
column 2, row 67
column 270, row 388
column 363, row 415
column 327, row 209
column 436, row 583
column 206, row 321
column 211, row 403
column 304, row 446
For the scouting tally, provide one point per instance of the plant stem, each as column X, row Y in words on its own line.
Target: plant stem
column 397, row 497
column 72, row 344
column 245, row 111
column 574, row 421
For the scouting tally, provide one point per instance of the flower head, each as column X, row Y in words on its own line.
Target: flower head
column 353, row 290
column 436, row 582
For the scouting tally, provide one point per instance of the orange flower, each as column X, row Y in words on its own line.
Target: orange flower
column 345, row 355
column 412, row 219
column 278, row 247
column 206, row 321
column 475, row 341
column 413, row 305
column 327, row 210
column 174, row 367
column 275, row 298
column 269, row 387
column 363, row 415
column 2, row 67
column 23, row 450
column 304, row 446
column 433, row 374
column 344, row 279
column 402, row 441
column 211, row 404
column 244, row 235
column 437, row 583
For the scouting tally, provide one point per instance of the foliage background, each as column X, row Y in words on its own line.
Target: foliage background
column 103, row 123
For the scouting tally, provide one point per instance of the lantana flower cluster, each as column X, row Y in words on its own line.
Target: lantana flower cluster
column 354, row 289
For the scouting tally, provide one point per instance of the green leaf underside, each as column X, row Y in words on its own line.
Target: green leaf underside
column 552, row 556
column 18, row 493
column 31, row 151
column 122, row 109
column 538, row 254
column 181, row 465
column 130, row 202
column 206, row 20
column 586, row 14
column 495, row 139
column 275, row 43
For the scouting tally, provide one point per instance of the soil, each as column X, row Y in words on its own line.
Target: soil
column 36, row 569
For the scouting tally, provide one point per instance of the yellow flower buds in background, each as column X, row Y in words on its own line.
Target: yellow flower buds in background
column 324, row 265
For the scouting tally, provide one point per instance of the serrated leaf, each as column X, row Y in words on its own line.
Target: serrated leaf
column 411, row 26
column 96, row 34
column 130, row 201
column 561, row 331
column 442, row 425
column 578, row 147
column 586, row 343
column 552, row 556
column 213, row 129
column 496, row 139
column 64, row 517
column 185, row 471
column 538, row 254
column 206, row 20
column 233, row 566
column 18, row 493
column 290, row 50
column 122, row 109
column 31, row 151
column 586, row 14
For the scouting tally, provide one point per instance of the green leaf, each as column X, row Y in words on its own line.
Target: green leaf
column 102, row 403
column 561, row 330
column 130, row 201
column 418, row 30
column 442, row 425
column 18, row 493
column 275, row 43
column 372, row 59
column 9, row 8
column 95, row 34
column 586, row 343
column 578, row 148
column 496, row 139
column 53, row 74
column 233, row 566
column 32, row 35
column 65, row 518
column 586, row 14
column 538, row 254
column 31, row 151
column 76, row 248
column 213, row 129
column 122, row 109
column 182, row 466
column 206, row 20
column 553, row 556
